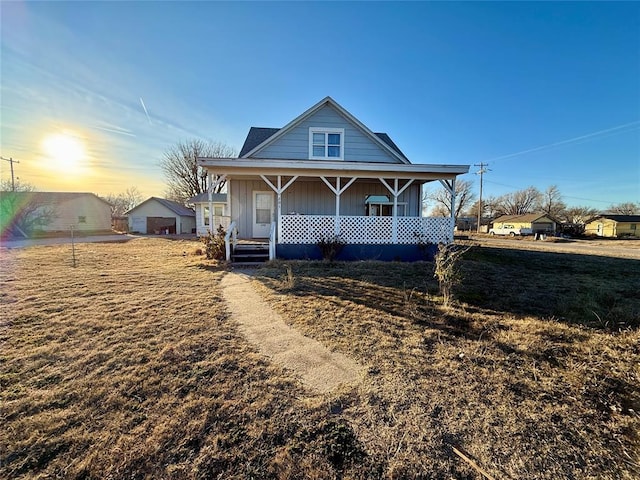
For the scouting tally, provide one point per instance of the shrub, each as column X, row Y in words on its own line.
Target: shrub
column 214, row 244
column 446, row 269
column 331, row 247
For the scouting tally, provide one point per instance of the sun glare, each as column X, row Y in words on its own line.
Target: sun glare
column 64, row 151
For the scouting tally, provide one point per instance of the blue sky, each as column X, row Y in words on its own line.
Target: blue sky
column 459, row 83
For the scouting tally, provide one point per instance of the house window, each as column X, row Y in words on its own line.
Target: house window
column 381, row 206
column 633, row 226
column 326, row 143
column 82, row 219
column 217, row 212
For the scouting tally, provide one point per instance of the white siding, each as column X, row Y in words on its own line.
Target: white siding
column 95, row 213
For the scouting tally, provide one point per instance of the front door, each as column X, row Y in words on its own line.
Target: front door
column 262, row 214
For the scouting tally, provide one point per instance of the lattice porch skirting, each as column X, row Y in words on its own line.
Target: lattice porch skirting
column 309, row 229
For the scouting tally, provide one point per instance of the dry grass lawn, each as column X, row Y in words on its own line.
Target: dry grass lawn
column 127, row 366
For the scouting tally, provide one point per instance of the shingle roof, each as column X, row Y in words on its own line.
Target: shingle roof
column 257, row 135
column 529, row 217
column 51, row 198
column 619, row 218
column 204, row 198
column 175, row 207
column 386, row 139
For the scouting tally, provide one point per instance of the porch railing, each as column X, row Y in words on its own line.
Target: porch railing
column 365, row 229
column 230, row 240
column 272, row 241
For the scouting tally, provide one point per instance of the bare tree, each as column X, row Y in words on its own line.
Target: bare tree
column 22, row 210
column 442, row 199
column 124, row 201
column 520, row 202
column 626, row 208
column 551, row 202
column 578, row 215
column 185, row 179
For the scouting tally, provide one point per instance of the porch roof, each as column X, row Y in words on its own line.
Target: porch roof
column 315, row 168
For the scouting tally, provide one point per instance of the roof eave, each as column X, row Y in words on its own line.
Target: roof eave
column 242, row 166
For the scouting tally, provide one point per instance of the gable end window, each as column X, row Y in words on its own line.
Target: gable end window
column 326, row 143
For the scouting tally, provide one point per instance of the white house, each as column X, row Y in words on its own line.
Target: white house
column 216, row 216
column 45, row 212
column 161, row 217
column 325, row 175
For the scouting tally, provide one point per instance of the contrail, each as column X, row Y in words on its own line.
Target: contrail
column 118, row 130
column 562, row 142
column 145, row 110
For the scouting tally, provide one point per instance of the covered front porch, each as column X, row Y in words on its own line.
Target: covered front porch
column 335, row 189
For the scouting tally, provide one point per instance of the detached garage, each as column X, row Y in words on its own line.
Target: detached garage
column 160, row 216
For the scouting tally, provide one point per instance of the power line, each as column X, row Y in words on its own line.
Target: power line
column 11, row 161
column 481, row 172
column 570, row 140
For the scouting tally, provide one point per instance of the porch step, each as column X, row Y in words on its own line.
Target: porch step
column 250, row 253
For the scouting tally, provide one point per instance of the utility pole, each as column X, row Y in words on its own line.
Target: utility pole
column 11, row 161
column 481, row 172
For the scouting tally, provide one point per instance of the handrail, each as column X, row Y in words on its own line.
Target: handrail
column 230, row 238
column 272, row 241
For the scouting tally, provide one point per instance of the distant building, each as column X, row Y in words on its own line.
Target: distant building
column 160, row 216
column 613, row 226
column 36, row 213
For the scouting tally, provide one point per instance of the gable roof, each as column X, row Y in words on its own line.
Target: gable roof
column 204, row 198
column 618, row 218
column 51, row 198
column 175, row 207
column 526, row 218
column 266, row 136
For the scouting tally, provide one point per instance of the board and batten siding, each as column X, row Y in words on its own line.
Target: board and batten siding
column 358, row 147
column 313, row 197
column 95, row 213
column 242, row 204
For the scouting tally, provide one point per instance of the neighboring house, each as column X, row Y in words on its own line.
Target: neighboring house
column 325, row 175
column 215, row 216
column 160, row 216
column 613, row 226
column 47, row 212
column 536, row 222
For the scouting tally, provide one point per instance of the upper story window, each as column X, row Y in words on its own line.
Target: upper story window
column 326, row 143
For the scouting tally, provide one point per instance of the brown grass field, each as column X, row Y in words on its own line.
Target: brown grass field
column 127, row 366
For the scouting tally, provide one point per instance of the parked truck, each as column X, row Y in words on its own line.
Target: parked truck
column 510, row 230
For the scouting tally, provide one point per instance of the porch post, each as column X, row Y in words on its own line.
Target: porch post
column 210, row 192
column 279, row 189
column 396, row 193
column 451, row 187
column 337, row 190
column 336, row 224
column 279, row 209
column 394, row 227
column 453, row 201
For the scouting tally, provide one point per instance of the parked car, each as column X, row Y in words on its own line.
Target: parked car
column 510, row 230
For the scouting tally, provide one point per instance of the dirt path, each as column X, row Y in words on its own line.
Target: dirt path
column 318, row 367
